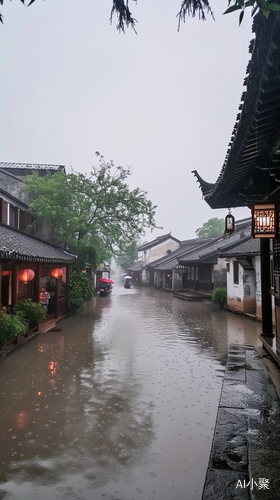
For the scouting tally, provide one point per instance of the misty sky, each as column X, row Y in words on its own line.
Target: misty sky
column 162, row 102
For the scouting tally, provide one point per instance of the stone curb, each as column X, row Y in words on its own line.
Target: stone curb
column 245, row 455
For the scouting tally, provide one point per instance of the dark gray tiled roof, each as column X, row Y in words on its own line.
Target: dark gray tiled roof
column 170, row 261
column 250, row 247
column 17, row 245
column 158, row 240
column 214, row 248
column 30, row 166
column 137, row 266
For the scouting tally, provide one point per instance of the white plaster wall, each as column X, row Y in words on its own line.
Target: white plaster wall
column 159, row 250
column 249, row 284
column 235, row 292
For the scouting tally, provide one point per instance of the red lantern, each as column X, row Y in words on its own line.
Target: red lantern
column 5, row 273
column 56, row 273
column 26, row 275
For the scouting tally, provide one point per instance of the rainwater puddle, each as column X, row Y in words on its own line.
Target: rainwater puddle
column 119, row 405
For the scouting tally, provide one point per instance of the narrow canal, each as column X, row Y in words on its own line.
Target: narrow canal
column 118, row 405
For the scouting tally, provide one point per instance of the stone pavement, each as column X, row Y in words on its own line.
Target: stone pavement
column 245, row 456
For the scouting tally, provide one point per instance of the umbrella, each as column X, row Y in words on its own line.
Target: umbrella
column 128, row 278
column 106, row 280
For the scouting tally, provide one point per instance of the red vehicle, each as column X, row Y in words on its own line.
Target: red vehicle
column 105, row 286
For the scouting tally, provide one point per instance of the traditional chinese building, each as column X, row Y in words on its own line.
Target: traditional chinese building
column 250, row 175
column 21, row 251
column 22, row 254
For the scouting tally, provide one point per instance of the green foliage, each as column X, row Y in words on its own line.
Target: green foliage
column 11, row 327
column 32, row 312
column 264, row 6
column 95, row 215
column 80, row 291
column 193, row 8
column 213, row 227
column 52, row 202
column 128, row 256
column 219, row 295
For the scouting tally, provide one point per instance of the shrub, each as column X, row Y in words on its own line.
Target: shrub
column 11, row 326
column 32, row 312
column 80, row 291
column 219, row 295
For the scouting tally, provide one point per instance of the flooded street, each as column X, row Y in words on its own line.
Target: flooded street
column 119, row 405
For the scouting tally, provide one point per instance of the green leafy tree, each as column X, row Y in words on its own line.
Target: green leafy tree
column 128, row 256
column 213, row 227
column 95, row 215
column 200, row 8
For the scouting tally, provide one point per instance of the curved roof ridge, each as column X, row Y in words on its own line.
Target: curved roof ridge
column 205, row 187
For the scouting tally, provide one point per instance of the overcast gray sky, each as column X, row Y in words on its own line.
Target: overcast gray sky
column 162, row 102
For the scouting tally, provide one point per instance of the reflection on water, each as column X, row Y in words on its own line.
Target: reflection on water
column 121, row 404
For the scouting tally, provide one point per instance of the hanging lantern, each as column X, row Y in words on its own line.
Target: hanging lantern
column 84, row 271
column 264, row 220
column 5, row 273
column 56, row 273
column 229, row 223
column 26, row 275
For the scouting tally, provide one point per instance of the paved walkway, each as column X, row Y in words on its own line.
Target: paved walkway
column 245, row 456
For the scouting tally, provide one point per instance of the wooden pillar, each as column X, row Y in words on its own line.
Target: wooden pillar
column 37, row 282
column 67, row 284
column 14, row 284
column 0, row 286
column 56, row 297
column 267, row 327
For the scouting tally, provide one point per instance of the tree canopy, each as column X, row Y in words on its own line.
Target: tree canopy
column 213, row 227
column 193, row 8
column 129, row 255
column 94, row 215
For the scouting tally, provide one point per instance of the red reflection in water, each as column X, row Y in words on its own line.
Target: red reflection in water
column 52, row 367
column 21, row 420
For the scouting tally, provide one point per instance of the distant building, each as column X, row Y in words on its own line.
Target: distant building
column 150, row 252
